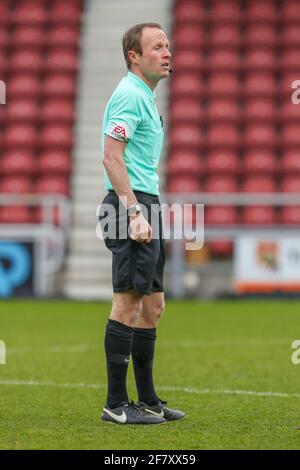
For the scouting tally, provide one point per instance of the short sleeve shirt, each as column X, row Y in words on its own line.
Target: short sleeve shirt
column 131, row 116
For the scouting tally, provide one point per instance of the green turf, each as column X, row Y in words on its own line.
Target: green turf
column 218, row 346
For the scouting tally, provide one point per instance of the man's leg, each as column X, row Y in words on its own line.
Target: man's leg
column 118, row 339
column 143, row 346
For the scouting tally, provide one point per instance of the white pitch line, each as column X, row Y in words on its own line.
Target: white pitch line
column 193, row 391
column 251, row 342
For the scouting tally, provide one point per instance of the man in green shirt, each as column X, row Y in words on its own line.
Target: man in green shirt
column 132, row 141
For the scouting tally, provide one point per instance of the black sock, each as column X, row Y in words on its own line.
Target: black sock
column 142, row 351
column 118, row 340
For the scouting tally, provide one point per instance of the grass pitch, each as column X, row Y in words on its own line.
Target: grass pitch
column 227, row 364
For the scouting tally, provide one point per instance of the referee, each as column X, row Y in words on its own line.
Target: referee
column 132, row 141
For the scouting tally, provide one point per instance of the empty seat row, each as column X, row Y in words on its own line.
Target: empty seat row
column 42, row 185
column 265, row 11
column 29, row 136
column 227, row 84
column 38, row 38
column 230, row 110
column 228, row 162
column 230, row 184
column 230, row 136
column 30, row 110
column 24, row 162
column 32, row 61
column 32, row 13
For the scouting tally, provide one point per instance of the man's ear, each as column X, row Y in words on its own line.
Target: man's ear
column 133, row 57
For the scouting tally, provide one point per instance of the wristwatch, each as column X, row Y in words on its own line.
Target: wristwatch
column 135, row 209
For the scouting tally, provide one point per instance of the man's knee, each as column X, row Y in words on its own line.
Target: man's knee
column 126, row 308
column 152, row 312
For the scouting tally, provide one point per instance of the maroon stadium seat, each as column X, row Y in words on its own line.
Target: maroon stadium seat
column 260, row 84
column 261, row 11
column 16, row 215
column 66, row 12
column 183, row 184
column 189, row 12
column 17, row 162
column 223, row 136
column 28, row 36
column 259, row 162
column 259, row 215
column 3, row 38
column 291, row 35
column 20, row 136
column 290, row 215
column 187, row 84
column 290, row 162
column 30, row 13
column 260, row 110
column 291, row 135
column 223, row 162
column 260, row 59
column 223, row 110
column 225, row 12
column 61, row 60
column 224, row 35
column 224, row 60
column 291, row 60
column 291, row 11
column 189, row 61
column 16, row 184
column 23, row 111
column 52, row 185
column 24, row 86
column 26, row 61
column 260, row 136
column 290, row 112
column 291, row 184
column 185, row 162
column 57, row 110
column 186, row 136
column 55, row 162
column 59, row 85
column 259, row 184
column 186, row 110
column 188, row 37
column 260, row 35
column 223, row 84
column 63, row 36
column 57, row 136
column 4, row 12
column 221, row 184
column 221, row 215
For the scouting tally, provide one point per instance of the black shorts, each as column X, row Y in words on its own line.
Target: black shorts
column 135, row 265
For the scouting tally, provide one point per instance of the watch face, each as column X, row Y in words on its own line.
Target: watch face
column 138, row 207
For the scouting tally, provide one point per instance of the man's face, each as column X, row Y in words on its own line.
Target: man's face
column 155, row 61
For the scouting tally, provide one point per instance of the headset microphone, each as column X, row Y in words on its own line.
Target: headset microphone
column 171, row 70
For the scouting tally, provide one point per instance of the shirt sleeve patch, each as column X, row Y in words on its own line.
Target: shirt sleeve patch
column 119, row 131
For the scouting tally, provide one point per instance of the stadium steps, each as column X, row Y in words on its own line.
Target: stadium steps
column 88, row 265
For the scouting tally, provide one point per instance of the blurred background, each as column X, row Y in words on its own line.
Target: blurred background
column 232, row 142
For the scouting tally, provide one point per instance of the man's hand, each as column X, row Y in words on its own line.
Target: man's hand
column 141, row 231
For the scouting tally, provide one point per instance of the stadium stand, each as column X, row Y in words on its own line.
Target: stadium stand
column 227, row 104
column 39, row 41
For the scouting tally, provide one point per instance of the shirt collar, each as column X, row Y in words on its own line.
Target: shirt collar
column 141, row 84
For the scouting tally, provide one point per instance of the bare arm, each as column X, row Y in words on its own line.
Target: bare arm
column 117, row 172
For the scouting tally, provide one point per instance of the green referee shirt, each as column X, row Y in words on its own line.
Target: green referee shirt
column 131, row 116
